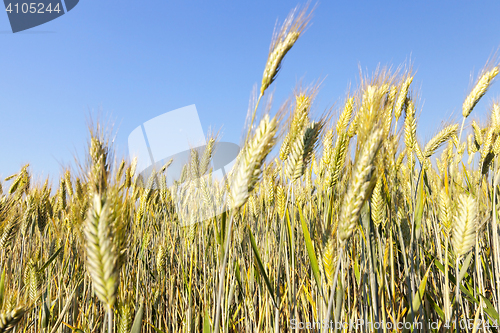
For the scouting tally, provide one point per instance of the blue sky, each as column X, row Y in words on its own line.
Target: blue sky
column 133, row 61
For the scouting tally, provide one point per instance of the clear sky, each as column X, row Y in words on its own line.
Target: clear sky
column 135, row 60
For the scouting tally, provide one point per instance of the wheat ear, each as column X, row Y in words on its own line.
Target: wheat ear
column 299, row 122
column 337, row 161
column 478, row 135
column 125, row 321
column 355, row 198
column 327, row 149
column 101, row 256
column 439, row 139
column 400, row 101
column 345, row 116
column 282, row 43
column 299, row 158
column 8, row 320
column 249, row 170
column 445, row 214
column 410, row 132
column 478, row 91
column 377, row 203
column 465, row 225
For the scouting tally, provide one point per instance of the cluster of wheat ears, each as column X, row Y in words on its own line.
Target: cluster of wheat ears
column 353, row 219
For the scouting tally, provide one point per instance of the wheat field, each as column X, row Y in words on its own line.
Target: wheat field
column 341, row 222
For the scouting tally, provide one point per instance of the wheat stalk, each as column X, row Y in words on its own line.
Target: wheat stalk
column 281, row 43
column 358, row 190
column 445, row 213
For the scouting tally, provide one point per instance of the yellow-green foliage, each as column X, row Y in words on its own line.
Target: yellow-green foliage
column 369, row 224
